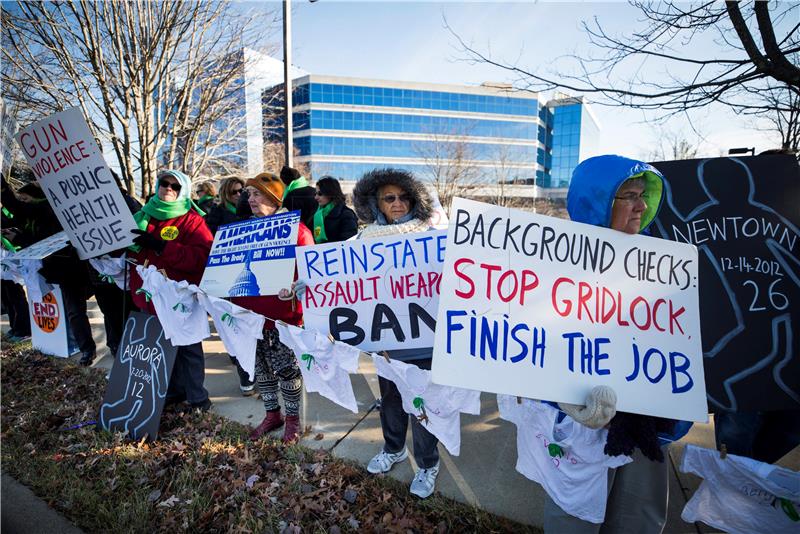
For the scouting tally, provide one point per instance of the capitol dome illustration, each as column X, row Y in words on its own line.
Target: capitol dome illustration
column 245, row 284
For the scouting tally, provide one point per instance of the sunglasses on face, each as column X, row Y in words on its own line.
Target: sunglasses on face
column 235, row 192
column 169, row 185
column 390, row 199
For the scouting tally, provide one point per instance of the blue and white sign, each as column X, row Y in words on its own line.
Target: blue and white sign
column 252, row 258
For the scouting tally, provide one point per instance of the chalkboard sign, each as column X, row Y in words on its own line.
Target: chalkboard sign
column 139, row 379
column 743, row 215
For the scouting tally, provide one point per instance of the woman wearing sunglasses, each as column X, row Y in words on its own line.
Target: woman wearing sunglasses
column 173, row 236
column 333, row 220
column 394, row 202
column 230, row 191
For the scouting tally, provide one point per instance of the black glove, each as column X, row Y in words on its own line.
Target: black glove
column 147, row 240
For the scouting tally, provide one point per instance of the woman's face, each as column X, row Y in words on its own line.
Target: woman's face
column 628, row 208
column 260, row 204
column 393, row 202
column 168, row 188
column 235, row 192
column 322, row 200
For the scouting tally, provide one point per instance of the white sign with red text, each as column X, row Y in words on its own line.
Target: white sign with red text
column 545, row 308
column 78, row 184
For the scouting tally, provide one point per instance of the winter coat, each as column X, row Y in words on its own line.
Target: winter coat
column 341, row 224
column 288, row 311
column 365, row 202
column 183, row 258
column 219, row 216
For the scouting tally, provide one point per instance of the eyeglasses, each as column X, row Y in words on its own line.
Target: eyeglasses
column 235, row 192
column 318, row 194
column 170, row 185
column 390, row 199
column 632, row 198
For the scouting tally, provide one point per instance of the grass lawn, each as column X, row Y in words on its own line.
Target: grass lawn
column 202, row 474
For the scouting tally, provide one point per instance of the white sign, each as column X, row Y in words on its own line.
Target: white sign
column 78, row 184
column 252, row 258
column 41, row 249
column 378, row 293
column 545, row 308
column 49, row 328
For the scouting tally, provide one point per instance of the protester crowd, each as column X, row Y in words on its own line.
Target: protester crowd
column 175, row 234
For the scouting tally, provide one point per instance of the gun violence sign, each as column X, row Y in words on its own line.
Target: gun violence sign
column 545, row 308
column 78, row 184
column 377, row 293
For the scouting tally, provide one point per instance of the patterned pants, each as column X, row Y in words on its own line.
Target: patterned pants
column 277, row 368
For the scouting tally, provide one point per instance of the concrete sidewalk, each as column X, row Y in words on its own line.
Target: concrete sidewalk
column 483, row 474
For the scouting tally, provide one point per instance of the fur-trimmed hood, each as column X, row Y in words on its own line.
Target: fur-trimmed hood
column 365, row 193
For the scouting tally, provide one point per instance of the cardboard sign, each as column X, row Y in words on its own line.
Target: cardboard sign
column 544, row 308
column 139, row 379
column 378, row 293
column 42, row 249
column 49, row 324
column 78, row 184
column 743, row 216
column 252, row 258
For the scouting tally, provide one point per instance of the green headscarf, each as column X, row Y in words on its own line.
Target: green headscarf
column 319, row 222
column 162, row 210
column 296, row 184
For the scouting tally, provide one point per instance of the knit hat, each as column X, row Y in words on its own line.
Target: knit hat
column 269, row 184
column 601, row 406
column 185, row 181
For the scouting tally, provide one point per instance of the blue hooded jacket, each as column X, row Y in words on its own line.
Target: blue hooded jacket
column 591, row 198
column 595, row 182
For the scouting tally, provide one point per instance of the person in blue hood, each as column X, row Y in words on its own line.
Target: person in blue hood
column 622, row 194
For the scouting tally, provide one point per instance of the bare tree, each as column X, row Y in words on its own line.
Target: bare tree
column 450, row 164
column 275, row 159
column 784, row 118
column 156, row 80
column 759, row 54
column 670, row 145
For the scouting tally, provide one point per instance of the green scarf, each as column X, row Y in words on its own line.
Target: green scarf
column 204, row 198
column 230, row 207
column 161, row 211
column 296, row 184
column 8, row 245
column 319, row 222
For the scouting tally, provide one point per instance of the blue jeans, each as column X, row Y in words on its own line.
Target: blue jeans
column 763, row 436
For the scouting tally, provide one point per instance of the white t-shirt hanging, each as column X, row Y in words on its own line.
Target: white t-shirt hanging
column 238, row 328
column 325, row 364
column 442, row 405
column 567, row 458
column 741, row 495
column 177, row 306
column 113, row 267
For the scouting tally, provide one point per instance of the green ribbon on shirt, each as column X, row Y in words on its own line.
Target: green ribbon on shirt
column 555, row 450
column 228, row 318
column 307, row 358
column 181, row 307
column 147, row 295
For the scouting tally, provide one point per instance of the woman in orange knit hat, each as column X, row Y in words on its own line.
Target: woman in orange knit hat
column 276, row 367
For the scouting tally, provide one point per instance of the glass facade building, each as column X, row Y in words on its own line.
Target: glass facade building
column 347, row 126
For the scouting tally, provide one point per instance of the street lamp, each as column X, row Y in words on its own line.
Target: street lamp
column 736, row 151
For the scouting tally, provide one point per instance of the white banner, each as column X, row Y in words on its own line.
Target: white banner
column 545, row 308
column 41, row 249
column 78, row 184
column 252, row 258
column 377, row 294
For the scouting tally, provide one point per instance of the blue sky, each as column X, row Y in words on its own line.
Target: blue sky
column 408, row 41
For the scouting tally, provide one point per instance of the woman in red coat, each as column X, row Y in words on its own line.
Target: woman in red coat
column 276, row 367
column 173, row 236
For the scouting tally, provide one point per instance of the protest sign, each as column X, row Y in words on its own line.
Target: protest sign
column 41, row 249
column 378, row 293
column 78, row 184
column 545, row 308
column 49, row 324
column 742, row 214
column 252, row 258
column 139, row 380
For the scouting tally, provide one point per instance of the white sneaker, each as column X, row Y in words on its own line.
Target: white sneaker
column 424, row 482
column 383, row 461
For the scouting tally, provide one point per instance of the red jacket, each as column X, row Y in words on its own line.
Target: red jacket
column 273, row 307
column 184, row 256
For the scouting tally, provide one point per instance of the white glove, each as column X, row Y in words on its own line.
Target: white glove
column 299, row 287
column 601, row 406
